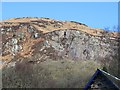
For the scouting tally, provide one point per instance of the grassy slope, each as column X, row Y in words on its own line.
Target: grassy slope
column 50, row 73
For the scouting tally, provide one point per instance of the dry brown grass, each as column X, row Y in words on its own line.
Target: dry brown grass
column 27, row 47
column 66, row 25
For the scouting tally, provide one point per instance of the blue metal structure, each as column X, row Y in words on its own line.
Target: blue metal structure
column 111, row 84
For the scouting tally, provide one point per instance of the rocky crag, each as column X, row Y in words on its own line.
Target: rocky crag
column 36, row 40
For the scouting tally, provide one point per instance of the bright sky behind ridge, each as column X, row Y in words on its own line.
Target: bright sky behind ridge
column 93, row 14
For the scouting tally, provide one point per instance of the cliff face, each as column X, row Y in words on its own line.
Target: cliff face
column 39, row 39
column 81, row 46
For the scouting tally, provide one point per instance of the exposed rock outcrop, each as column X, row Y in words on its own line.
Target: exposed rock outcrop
column 39, row 39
